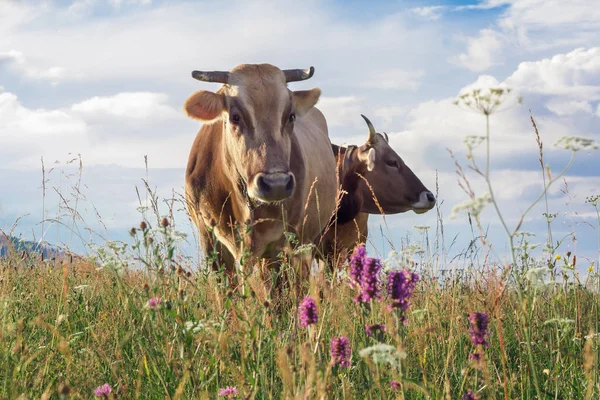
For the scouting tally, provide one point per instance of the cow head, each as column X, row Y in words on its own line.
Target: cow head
column 258, row 112
column 395, row 186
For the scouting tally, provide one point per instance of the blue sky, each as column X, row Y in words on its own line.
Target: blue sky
column 107, row 80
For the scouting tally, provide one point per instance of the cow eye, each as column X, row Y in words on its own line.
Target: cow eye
column 292, row 118
column 392, row 163
column 235, row 118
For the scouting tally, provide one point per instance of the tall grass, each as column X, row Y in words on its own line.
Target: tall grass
column 148, row 322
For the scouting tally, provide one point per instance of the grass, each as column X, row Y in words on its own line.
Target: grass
column 171, row 330
column 76, row 327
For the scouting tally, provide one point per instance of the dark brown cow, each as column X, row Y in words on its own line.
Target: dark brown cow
column 393, row 184
column 260, row 166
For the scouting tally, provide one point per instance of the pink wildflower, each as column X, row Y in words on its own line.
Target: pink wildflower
column 154, row 302
column 229, row 391
column 103, row 391
column 308, row 312
column 340, row 351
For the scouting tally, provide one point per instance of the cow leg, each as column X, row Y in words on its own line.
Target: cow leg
column 223, row 260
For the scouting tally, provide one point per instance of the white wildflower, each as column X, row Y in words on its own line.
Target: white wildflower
column 536, row 276
column 592, row 336
column 421, row 228
column 524, row 234
column 110, row 257
column 472, row 141
column 576, row 143
column 384, row 354
column 473, row 206
column 392, row 261
column 193, row 326
column 528, row 246
column 487, row 96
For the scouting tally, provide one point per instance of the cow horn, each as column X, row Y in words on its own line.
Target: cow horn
column 211, row 76
column 295, row 75
column 372, row 133
column 387, row 139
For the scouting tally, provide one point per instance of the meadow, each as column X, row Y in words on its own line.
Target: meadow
column 138, row 320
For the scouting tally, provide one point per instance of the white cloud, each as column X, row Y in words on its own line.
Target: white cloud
column 568, row 107
column 164, row 42
column 530, row 26
column 575, row 74
column 391, row 112
column 483, row 83
column 79, row 8
column 119, row 129
column 482, row 51
column 432, row 13
column 27, row 134
column 598, row 110
column 16, row 59
column 137, row 106
column 341, row 111
column 396, row 79
column 545, row 14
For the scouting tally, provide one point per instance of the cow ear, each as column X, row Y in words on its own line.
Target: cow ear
column 368, row 158
column 204, row 105
column 304, row 100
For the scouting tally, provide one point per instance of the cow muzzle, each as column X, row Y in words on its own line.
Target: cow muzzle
column 273, row 187
column 425, row 203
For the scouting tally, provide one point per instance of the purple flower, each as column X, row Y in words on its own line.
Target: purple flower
column 154, row 302
column 395, row 385
column 401, row 285
column 103, row 391
column 229, row 391
column 479, row 322
column 308, row 312
column 376, row 327
column 357, row 262
column 340, row 351
column 369, row 281
column 469, row 396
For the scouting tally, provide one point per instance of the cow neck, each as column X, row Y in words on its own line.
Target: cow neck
column 237, row 181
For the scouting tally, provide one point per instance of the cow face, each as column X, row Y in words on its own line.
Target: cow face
column 396, row 187
column 258, row 113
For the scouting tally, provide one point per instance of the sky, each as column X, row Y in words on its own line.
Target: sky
column 93, row 87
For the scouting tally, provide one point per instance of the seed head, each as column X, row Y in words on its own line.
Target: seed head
column 64, row 389
column 370, row 329
column 469, row 396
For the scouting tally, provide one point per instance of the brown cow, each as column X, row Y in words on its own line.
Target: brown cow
column 393, row 184
column 260, row 166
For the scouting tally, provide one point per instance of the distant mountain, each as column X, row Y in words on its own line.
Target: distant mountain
column 31, row 248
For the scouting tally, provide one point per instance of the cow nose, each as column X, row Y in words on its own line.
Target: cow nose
column 430, row 197
column 425, row 203
column 275, row 187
